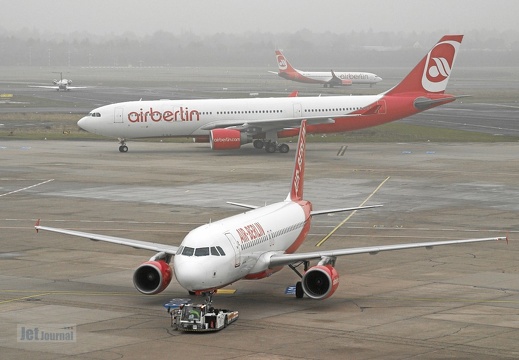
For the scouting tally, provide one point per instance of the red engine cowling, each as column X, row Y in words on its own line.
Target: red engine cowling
column 320, row 281
column 227, row 139
column 152, row 277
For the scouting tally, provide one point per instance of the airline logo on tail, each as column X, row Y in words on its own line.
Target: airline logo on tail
column 282, row 62
column 438, row 66
column 296, row 193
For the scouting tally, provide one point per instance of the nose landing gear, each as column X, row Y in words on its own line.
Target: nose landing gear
column 123, row 148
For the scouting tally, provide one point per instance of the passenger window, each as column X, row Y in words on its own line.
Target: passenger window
column 188, row 251
column 202, row 251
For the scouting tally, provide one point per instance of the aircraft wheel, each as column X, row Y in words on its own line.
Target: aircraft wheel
column 123, row 148
column 284, row 148
column 299, row 290
column 258, row 144
column 270, row 147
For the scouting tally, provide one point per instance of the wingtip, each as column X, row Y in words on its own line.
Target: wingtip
column 36, row 226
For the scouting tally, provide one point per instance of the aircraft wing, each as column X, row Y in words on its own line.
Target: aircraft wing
column 137, row 244
column 331, row 211
column 55, row 87
column 286, row 259
column 268, row 124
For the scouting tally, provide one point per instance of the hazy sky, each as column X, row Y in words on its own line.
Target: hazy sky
column 234, row 16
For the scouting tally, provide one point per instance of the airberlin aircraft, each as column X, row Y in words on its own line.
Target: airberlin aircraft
column 230, row 123
column 250, row 245
column 328, row 79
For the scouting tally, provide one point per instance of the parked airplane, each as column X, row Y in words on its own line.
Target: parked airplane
column 61, row 84
column 327, row 78
column 230, row 123
column 251, row 245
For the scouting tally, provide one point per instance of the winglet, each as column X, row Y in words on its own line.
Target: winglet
column 296, row 190
column 36, row 226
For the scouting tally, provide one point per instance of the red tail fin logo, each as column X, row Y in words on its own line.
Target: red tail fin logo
column 282, row 62
column 296, row 192
column 438, row 66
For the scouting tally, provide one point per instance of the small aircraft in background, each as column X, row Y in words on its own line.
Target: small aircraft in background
column 327, row 78
column 61, row 84
column 251, row 245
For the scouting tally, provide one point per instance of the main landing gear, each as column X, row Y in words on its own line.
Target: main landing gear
column 123, row 148
column 271, row 146
column 299, row 286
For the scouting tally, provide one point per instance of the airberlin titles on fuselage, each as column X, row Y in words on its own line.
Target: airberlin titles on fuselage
column 180, row 114
column 250, row 232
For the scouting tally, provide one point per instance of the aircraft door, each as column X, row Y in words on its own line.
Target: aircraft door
column 297, row 110
column 236, row 247
column 118, row 115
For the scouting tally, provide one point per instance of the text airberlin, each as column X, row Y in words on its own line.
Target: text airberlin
column 180, row 114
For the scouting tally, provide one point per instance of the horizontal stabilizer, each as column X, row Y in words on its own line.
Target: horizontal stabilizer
column 243, row 205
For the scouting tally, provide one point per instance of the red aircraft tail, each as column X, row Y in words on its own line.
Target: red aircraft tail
column 296, row 190
column 432, row 73
column 284, row 66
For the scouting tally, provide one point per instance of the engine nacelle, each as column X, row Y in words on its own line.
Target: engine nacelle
column 152, row 277
column 227, row 139
column 320, row 281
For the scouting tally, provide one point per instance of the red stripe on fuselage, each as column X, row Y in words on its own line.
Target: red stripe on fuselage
column 396, row 107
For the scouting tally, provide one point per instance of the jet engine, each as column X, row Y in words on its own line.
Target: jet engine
column 152, row 277
column 320, row 281
column 227, row 139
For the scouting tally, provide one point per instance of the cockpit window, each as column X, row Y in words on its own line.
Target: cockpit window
column 202, row 251
column 95, row 114
column 188, row 251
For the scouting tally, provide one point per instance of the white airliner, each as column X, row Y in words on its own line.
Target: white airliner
column 61, row 84
column 230, row 123
column 251, row 245
column 328, row 79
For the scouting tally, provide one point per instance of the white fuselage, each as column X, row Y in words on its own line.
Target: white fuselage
column 247, row 240
column 354, row 77
column 170, row 118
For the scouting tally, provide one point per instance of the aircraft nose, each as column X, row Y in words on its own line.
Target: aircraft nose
column 82, row 122
column 189, row 274
column 87, row 123
column 378, row 78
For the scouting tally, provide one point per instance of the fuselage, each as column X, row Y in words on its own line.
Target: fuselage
column 222, row 252
column 186, row 118
column 324, row 77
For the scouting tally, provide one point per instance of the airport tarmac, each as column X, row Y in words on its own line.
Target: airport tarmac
column 449, row 302
column 491, row 108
